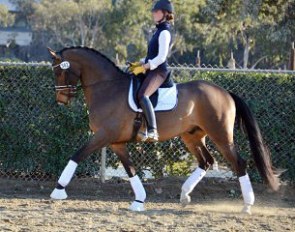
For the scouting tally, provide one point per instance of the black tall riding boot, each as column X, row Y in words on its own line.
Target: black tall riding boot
column 149, row 113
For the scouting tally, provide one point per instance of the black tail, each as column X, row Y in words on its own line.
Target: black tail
column 260, row 152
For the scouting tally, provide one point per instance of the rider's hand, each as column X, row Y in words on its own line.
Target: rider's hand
column 133, row 65
column 138, row 70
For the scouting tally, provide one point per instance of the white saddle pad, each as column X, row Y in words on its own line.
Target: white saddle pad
column 167, row 99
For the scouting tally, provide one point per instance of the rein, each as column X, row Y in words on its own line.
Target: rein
column 97, row 83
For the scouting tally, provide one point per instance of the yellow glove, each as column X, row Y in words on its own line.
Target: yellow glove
column 133, row 65
column 138, row 70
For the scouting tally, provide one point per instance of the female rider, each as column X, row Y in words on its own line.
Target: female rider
column 155, row 64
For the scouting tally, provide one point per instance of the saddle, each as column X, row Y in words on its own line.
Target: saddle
column 137, row 82
column 163, row 100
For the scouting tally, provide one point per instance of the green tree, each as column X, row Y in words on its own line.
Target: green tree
column 245, row 25
column 277, row 32
column 128, row 29
column 186, row 36
column 72, row 23
column 258, row 31
column 6, row 18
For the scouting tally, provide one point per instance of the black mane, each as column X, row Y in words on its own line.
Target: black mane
column 96, row 53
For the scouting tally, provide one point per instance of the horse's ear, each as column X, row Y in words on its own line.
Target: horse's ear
column 53, row 53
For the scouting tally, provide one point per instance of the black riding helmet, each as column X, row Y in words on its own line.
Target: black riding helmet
column 163, row 5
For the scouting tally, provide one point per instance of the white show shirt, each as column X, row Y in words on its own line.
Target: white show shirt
column 164, row 45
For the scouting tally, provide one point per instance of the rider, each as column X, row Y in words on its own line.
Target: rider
column 155, row 64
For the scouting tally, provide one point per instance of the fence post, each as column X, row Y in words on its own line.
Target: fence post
column 198, row 59
column 117, row 59
column 292, row 58
column 232, row 62
column 103, row 164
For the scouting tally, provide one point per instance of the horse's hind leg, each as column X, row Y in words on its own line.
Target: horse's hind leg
column 136, row 184
column 196, row 145
column 226, row 146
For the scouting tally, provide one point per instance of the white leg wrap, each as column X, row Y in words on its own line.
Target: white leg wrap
column 247, row 190
column 138, row 188
column 67, row 173
column 192, row 181
column 137, row 206
column 59, row 194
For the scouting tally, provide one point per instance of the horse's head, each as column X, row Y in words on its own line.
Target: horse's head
column 67, row 75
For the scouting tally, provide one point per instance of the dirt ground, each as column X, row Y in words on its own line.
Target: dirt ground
column 92, row 206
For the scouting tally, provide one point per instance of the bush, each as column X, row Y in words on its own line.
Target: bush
column 38, row 137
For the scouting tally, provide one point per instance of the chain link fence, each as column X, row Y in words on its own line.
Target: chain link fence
column 37, row 137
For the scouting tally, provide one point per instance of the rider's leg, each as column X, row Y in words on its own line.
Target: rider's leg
column 149, row 113
column 152, row 82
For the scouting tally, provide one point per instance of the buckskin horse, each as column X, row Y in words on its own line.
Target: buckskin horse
column 204, row 109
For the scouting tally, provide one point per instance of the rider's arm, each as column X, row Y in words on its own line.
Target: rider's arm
column 164, row 43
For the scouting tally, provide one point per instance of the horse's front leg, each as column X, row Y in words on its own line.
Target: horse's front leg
column 98, row 141
column 136, row 184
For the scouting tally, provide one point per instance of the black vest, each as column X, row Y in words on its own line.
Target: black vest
column 153, row 47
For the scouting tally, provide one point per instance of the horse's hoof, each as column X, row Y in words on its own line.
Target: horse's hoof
column 137, row 206
column 247, row 209
column 185, row 199
column 59, row 194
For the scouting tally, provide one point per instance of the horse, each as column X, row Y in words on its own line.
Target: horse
column 204, row 109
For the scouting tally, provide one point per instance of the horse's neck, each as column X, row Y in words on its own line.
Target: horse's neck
column 104, row 92
column 100, row 78
column 98, row 71
column 98, row 75
column 94, row 66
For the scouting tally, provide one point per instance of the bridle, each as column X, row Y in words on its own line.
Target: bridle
column 66, row 68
